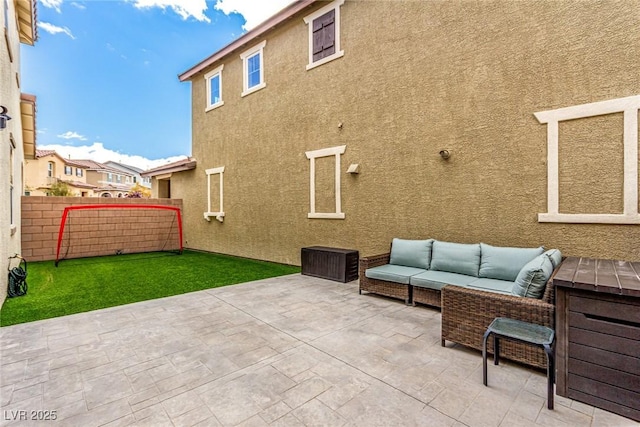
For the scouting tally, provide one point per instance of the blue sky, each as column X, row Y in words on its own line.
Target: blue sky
column 105, row 72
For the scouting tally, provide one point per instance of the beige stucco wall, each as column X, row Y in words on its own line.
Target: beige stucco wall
column 462, row 76
column 10, row 98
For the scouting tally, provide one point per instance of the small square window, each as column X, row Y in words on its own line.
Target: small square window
column 68, row 170
column 214, row 88
column 253, row 69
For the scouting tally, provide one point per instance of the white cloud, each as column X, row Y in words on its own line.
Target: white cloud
column 54, row 29
column 72, row 135
column 78, row 5
column 254, row 12
column 52, row 4
column 99, row 153
column 184, row 8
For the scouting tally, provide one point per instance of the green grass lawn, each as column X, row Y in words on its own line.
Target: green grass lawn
column 80, row 285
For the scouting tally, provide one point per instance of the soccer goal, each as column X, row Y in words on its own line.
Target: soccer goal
column 114, row 229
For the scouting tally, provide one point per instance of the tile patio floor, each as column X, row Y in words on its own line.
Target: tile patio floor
column 293, row 350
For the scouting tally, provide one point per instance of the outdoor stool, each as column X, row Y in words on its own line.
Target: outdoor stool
column 517, row 330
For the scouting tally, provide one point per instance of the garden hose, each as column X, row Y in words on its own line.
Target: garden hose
column 17, row 278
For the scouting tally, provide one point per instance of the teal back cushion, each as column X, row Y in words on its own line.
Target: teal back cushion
column 555, row 256
column 456, row 258
column 411, row 253
column 504, row 263
column 532, row 279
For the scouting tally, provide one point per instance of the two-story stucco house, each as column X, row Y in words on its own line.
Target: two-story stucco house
column 132, row 173
column 348, row 123
column 84, row 178
column 48, row 167
column 17, row 127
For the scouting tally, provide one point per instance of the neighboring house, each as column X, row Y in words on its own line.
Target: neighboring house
column 348, row 123
column 109, row 181
column 160, row 177
column 85, row 178
column 17, row 127
column 48, row 167
column 133, row 173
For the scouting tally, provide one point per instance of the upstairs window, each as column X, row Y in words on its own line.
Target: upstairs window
column 50, row 169
column 324, row 34
column 68, row 170
column 214, row 88
column 109, row 177
column 253, row 69
column 78, row 172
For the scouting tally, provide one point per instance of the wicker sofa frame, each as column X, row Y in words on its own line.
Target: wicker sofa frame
column 466, row 313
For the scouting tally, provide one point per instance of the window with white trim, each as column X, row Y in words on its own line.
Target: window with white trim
column 214, row 88
column 629, row 108
column 253, row 69
column 312, row 156
column 324, row 34
column 211, row 212
column 109, row 177
column 50, row 169
column 68, row 170
column 78, row 172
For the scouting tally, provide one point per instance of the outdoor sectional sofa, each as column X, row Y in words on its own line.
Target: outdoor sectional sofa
column 472, row 284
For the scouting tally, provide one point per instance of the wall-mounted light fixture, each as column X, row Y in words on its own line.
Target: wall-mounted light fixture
column 354, row 169
column 4, row 117
column 445, row 154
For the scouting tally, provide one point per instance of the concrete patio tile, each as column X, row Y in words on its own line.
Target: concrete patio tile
column 272, row 413
column 106, row 389
column 305, row 391
column 186, row 378
column 528, row 406
column 60, row 386
column 315, row 412
column 100, row 415
column 181, row 404
column 287, row 351
column 196, row 416
column 603, row 418
column 562, row 415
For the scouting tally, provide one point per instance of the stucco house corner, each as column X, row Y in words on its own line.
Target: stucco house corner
column 17, row 130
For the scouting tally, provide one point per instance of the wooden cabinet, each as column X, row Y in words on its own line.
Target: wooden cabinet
column 330, row 263
column 598, row 334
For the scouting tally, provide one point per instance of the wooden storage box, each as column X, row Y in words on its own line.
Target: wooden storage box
column 598, row 331
column 336, row 264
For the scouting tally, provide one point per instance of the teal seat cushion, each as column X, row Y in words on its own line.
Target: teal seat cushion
column 438, row 279
column 393, row 273
column 555, row 256
column 411, row 253
column 492, row 285
column 456, row 257
column 504, row 263
column 533, row 277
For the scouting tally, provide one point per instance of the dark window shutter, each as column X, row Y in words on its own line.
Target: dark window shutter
column 324, row 35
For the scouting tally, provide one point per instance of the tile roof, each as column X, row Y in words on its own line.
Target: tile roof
column 44, row 153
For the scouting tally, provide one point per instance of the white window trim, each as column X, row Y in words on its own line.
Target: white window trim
column 259, row 48
column 629, row 106
column 219, row 215
column 339, row 53
column 312, row 156
column 207, row 77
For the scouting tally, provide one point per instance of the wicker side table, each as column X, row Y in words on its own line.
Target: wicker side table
column 517, row 330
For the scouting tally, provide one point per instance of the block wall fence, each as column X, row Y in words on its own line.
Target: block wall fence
column 96, row 232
